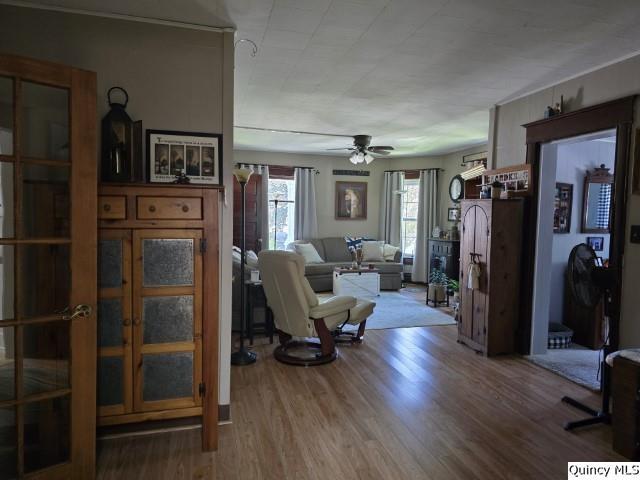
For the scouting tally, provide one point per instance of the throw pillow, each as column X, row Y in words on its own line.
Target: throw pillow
column 252, row 259
column 354, row 243
column 372, row 252
column 309, row 252
column 389, row 252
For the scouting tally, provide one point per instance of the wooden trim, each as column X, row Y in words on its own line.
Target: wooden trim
column 36, row 397
column 84, row 208
column 61, row 471
column 146, row 416
column 617, row 114
column 210, row 323
column 595, row 118
column 46, row 73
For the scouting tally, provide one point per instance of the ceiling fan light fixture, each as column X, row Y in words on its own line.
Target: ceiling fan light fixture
column 368, row 158
column 354, row 158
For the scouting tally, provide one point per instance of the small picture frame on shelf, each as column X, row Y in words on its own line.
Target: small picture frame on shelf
column 453, row 214
column 192, row 155
column 597, row 243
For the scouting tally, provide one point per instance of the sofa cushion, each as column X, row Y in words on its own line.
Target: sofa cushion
column 336, row 250
column 372, row 251
column 309, row 252
column 385, row 267
column 321, row 268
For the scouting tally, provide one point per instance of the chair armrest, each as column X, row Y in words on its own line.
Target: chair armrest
column 332, row 306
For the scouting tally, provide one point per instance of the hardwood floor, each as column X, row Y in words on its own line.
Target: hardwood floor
column 406, row 404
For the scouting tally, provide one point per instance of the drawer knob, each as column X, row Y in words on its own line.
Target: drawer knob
column 152, row 208
column 185, row 208
column 106, row 207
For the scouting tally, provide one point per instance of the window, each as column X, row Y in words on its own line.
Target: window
column 410, row 217
column 282, row 194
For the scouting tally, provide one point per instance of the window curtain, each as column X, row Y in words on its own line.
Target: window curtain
column 427, row 219
column 391, row 208
column 306, row 217
column 263, row 201
column 604, row 206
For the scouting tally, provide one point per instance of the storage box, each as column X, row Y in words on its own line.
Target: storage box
column 559, row 336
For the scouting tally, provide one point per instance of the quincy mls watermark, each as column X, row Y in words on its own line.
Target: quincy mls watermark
column 603, row 470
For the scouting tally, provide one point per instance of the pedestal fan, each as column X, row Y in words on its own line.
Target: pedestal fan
column 588, row 284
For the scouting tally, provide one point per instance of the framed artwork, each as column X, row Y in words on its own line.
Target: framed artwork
column 562, row 208
column 453, row 214
column 351, row 201
column 597, row 243
column 196, row 155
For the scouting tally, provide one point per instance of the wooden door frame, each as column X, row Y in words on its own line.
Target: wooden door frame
column 618, row 115
column 82, row 87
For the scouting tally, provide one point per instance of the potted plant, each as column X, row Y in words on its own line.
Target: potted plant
column 438, row 281
column 454, row 287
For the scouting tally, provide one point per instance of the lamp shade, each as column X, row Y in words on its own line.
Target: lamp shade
column 242, row 174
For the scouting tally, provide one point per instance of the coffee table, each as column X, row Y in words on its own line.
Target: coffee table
column 362, row 282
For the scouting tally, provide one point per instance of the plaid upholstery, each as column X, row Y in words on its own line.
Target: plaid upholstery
column 558, row 341
column 604, row 204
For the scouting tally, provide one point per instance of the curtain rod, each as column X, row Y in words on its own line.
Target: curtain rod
column 269, row 165
column 415, row 170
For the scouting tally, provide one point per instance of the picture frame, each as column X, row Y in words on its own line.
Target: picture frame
column 453, row 214
column 351, row 201
column 196, row 155
column 563, row 204
column 597, row 243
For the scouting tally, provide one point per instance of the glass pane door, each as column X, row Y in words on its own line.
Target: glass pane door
column 167, row 319
column 42, row 262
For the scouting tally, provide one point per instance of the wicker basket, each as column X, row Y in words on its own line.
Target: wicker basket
column 559, row 336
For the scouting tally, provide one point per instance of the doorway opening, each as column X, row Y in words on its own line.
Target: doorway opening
column 576, row 181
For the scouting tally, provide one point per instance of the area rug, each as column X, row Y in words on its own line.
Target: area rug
column 578, row 364
column 395, row 310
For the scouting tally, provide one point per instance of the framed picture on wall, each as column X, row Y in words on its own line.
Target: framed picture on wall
column 196, row 155
column 562, row 208
column 597, row 243
column 453, row 214
column 351, row 201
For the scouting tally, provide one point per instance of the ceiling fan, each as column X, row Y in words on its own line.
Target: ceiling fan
column 361, row 151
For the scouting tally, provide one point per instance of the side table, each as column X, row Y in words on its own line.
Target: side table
column 256, row 298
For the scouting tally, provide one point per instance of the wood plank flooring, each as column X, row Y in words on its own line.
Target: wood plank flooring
column 406, row 404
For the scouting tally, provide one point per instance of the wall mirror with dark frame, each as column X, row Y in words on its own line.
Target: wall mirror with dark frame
column 598, row 189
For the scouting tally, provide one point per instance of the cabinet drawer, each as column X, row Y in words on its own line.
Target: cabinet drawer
column 170, row 208
column 112, row 207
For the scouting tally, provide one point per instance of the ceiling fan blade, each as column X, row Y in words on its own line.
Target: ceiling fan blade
column 344, row 148
column 380, row 147
column 379, row 152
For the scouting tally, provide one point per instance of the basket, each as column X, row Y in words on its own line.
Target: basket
column 559, row 336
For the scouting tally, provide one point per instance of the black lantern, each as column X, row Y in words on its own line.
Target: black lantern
column 121, row 143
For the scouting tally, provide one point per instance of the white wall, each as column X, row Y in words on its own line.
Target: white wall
column 328, row 226
column 177, row 79
column 574, row 160
column 615, row 81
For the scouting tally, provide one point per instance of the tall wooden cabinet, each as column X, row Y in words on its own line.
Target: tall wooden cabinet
column 158, row 305
column 492, row 232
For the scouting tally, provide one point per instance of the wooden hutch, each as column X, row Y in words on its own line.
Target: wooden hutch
column 158, row 305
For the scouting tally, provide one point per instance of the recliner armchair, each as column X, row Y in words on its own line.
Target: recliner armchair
column 298, row 312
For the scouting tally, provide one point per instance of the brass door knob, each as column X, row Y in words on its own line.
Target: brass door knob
column 152, row 208
column 106, row 207
column 185, row 208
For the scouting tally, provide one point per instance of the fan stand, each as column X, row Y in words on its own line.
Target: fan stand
column 597, row 416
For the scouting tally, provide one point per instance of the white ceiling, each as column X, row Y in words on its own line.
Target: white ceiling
column 417, row 74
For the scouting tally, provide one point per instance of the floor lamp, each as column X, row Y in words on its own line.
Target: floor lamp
column 242, row 356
